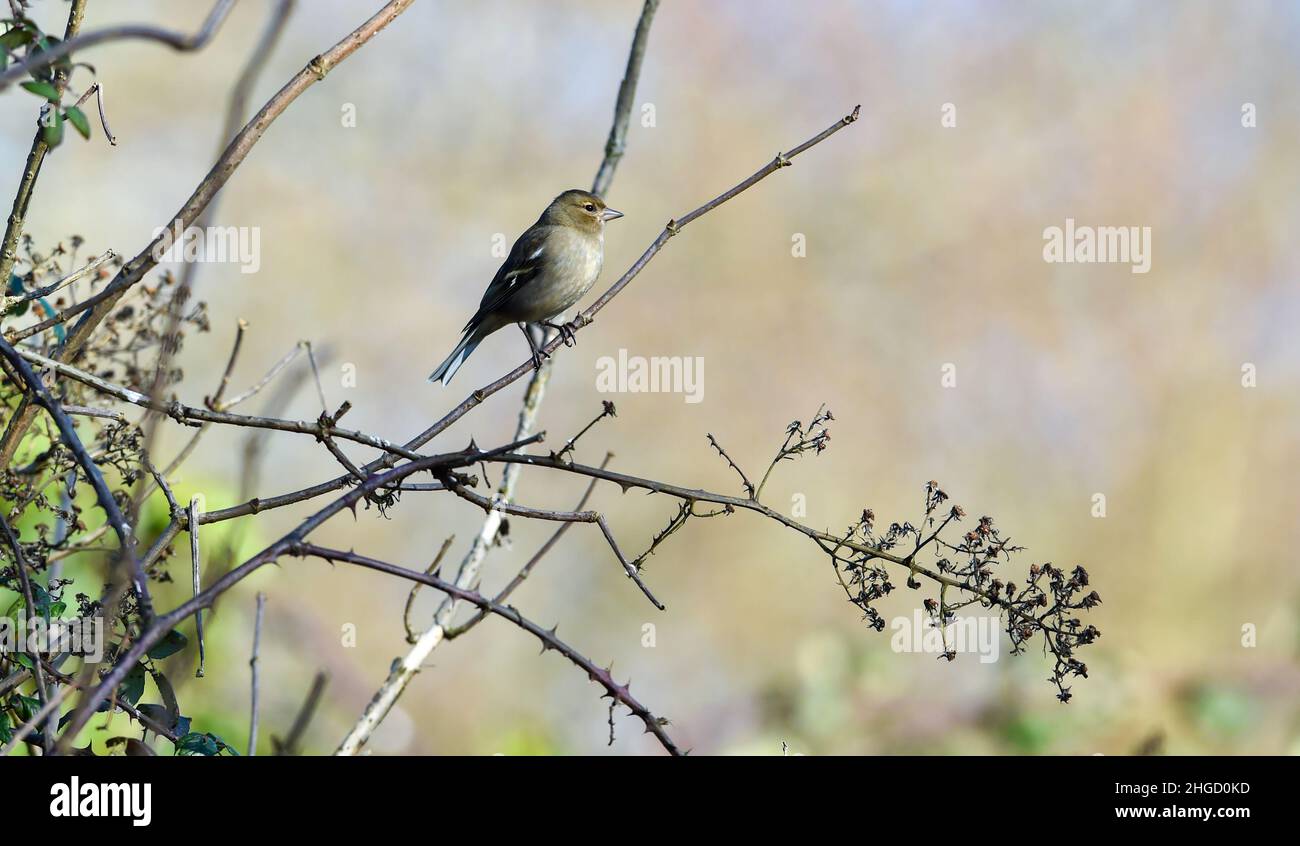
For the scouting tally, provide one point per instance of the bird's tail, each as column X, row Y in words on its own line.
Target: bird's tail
column 449, row 367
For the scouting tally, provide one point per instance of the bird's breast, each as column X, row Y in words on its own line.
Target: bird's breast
column 571, row 264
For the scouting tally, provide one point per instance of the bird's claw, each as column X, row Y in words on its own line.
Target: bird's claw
column 567, row 332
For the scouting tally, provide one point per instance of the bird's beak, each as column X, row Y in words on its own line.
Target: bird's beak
column 610, row 214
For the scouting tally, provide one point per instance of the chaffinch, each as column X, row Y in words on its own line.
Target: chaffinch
column 549, row 269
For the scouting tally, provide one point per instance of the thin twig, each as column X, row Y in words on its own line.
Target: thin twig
column 97, row 91
column 431, row 570
column 289, row 746
column 252, row 666
column 196, row 566
column 75, row 276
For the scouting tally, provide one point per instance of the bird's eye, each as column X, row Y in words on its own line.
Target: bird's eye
column 589, row 206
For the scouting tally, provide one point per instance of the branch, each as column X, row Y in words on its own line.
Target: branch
column 289, row 746
column 617, row 142
column 252, row 667
column 177, row 41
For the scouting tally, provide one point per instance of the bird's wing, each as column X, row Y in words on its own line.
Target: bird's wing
column 526, row 260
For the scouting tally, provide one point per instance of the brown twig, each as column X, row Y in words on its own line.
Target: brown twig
column 255, row 681
column 431, row 570
column 289, row 746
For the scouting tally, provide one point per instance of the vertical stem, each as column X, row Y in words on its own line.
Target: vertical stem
column 252, row 666
column 9, row 247
column 197, row 566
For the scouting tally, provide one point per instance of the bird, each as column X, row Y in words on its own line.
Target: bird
column 552, row 265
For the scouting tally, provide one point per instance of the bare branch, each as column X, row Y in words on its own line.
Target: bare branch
column 252, row 667
column 289, row 746
column 196, row 565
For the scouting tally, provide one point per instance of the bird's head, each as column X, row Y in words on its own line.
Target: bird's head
column 580, row 209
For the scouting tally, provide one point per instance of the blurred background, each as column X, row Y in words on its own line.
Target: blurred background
column 923, row 251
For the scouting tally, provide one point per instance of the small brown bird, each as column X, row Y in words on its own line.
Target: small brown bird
column 549, row 268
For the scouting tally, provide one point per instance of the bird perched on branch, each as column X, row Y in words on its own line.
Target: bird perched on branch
column 549, row 268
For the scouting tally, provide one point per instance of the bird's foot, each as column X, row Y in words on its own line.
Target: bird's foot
column 539, row 355
column 567, row 332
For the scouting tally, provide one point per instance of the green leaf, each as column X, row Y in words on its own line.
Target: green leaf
column 6, row 730
column 24, row 659
column 53, row 130
column 78, row 119
column 197, row 743
column 43, row 89
column 26, row 707
column 170, row 705
column 171, row 643
column 203, row 743
column 223, row 744
column 157, row 713
column 16, row 37
column 133, row 686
